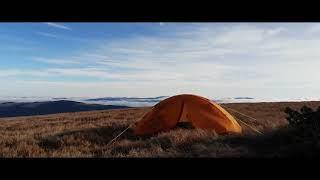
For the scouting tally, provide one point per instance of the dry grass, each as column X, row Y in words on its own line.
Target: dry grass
column 86, row 134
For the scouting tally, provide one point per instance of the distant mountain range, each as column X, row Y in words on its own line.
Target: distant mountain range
column 13, row 109
column 129, row 99
column 243, row 98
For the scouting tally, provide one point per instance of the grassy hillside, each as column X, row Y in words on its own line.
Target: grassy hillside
column 86, row 134
column 11, row 109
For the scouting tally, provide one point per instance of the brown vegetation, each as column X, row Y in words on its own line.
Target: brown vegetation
column 86, row 134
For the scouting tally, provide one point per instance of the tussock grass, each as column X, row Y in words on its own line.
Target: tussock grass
column 86, row 134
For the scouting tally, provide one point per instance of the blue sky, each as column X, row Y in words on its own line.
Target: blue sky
column 153, row 59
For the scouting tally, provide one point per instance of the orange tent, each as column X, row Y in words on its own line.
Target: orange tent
column 198, row 111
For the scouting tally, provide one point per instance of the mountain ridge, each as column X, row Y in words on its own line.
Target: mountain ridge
column 15, row 109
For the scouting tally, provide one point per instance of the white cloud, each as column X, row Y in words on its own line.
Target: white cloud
column 56, row 61
column 313, row 28
column 275, row 31
column 47, row 34
column 60, row 26
column 21, row 72
column 212, row 60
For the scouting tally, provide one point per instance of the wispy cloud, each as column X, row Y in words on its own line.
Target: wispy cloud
column 212, row 60
column 55, row 61
column 21, row 72
column 206, row 53
column 47, row 34
column 57, row 25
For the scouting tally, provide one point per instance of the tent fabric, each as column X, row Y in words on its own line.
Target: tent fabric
column 197, row 110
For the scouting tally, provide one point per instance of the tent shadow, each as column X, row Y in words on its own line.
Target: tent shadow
column 101, row 136
column 98, row 136
column 285, row 142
